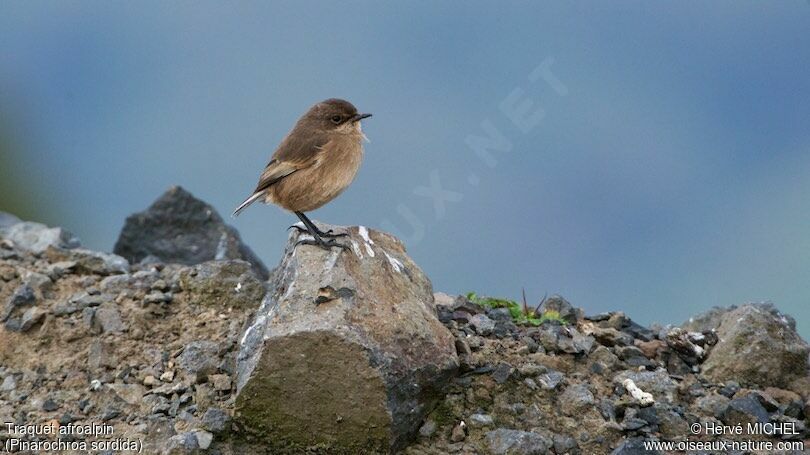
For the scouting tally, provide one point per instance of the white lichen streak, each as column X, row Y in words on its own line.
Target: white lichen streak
column 642, row 397
column 356, row 249
column 330, row 262
column 395, row 264
column 259, row 321
column 367, row 240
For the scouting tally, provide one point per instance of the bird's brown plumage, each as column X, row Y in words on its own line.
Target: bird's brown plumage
column 315, row 162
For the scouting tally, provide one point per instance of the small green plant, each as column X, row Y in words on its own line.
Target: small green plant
column 521, row 314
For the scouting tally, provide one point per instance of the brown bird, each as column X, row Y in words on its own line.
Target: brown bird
column 314, row 163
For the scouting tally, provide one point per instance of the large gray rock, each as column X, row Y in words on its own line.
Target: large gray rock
column 179, row 228
column 36, row 237
column 346, row 352
column 759, row 346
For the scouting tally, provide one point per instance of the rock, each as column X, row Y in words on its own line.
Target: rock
column 633, row 446
column 730, row 388
column 481, row 420
column 681, row 342
column 550, row 380
column 638, row 331
column 199, row 359
column 221, row 382
column 514, row 442
column 559, row 305
column 7, row 220
column 744, row 410
column 178, row 228
column 564, row 444
column 707, row 321
column 216, row 420
column 49, row 405
column 502, row 373
column 85, row 261
column 576, row 398
column 223, row 284
column 107, row 319
column 37, row 238
column 22, row 296
column 651, row 349
column 611, row 337
column 39, row 282
column 30, row 318
column 758, row 346
column 713, row 404
column 482, row 324
column 9, row 384
column 130, row 393
column 658, row 383
column 181, row 444
column 340, row 328
column 204, row 439
column 428, row 429
column 458, row 434
column 100, row 354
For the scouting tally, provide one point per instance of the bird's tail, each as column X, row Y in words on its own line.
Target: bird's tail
column 247, row 203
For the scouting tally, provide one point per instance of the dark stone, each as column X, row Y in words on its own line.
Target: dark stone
column 633, row 446
column 179, row 228
column 50, row 405
column 23, row 295
column 558, row 304
column 502, row 373
column 199, row 359
column 514, row 442
column 216, row 420
column 744, row 410
column 499, row 314
column 109, row 414
column 638, row 331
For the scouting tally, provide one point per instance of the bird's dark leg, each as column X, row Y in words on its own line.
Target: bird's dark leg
column 317, row 235
column 310, row 227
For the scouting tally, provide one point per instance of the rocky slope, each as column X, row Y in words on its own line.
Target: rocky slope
column 183, row 346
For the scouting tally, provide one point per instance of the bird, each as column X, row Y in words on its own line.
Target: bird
column 315, row 162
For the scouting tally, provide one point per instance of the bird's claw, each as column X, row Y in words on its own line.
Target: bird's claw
column 328, row 233
column 325, row 244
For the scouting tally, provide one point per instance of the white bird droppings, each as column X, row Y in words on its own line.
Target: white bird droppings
column 642, row 397
column 367, row 240
column 395, row 264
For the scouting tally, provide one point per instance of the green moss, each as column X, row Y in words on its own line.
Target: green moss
column 522, row 315
column 552, row 316
column 443, row 415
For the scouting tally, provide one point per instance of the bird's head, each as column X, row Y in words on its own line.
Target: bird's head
column 335, row 115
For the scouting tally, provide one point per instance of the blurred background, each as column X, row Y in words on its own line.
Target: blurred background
column 645, row 157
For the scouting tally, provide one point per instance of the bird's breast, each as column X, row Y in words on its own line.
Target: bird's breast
column 334, row 170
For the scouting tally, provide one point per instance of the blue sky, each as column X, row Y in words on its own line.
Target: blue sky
column 666, row 174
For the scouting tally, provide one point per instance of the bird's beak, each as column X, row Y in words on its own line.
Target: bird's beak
column 359, row 117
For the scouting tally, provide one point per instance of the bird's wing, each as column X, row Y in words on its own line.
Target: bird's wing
column 294, row 153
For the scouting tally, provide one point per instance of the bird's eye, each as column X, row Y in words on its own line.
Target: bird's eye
column 336, row 119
